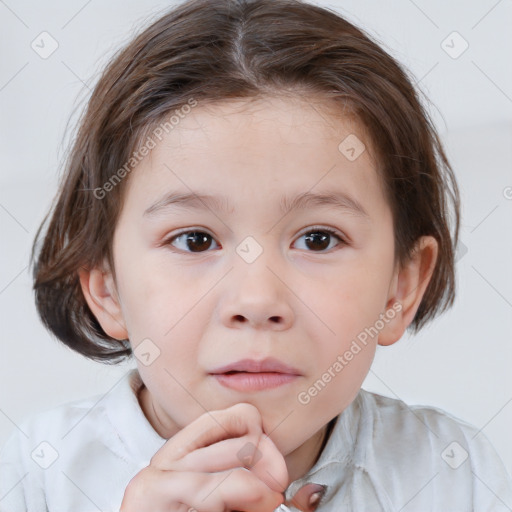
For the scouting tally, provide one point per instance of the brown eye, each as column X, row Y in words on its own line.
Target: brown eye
column 321, row 239
column 192, row 241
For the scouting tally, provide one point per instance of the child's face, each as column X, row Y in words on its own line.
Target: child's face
column 303, row 300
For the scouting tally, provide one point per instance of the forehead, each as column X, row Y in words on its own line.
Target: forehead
column 260, row 152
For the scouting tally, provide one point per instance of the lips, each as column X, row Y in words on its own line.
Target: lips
column 268, row 365
column 251, row 375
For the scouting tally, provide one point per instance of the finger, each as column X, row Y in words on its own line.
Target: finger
column 270, row 467
column 308, row 497
column 238, row 489
column 220, row 456
column 264, row 460
column 214, row 426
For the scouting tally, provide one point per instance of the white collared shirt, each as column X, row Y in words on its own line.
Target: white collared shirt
column 382, row 455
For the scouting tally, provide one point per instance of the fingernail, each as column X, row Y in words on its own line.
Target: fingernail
column 308, row 497
column 314, row 500
column 317, row 492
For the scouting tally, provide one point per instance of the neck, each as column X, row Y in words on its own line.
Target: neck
column 303, row 458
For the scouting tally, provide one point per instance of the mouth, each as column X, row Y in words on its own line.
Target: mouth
column 253, row 375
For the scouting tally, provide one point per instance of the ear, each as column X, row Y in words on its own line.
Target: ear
column 407, row 289
column 101, row 295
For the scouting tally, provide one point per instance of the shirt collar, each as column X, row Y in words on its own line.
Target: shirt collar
column 122, row 406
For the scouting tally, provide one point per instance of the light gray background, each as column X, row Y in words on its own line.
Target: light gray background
column 460, row 364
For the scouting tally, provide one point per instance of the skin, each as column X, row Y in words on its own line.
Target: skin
column 298, row 303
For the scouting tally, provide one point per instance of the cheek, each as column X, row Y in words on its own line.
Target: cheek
column 349, row 298
column 347, row 306
column 156, row 298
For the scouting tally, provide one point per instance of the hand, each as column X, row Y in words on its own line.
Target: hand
column 200, row 469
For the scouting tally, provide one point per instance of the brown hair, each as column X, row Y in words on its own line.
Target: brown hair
column 213, row 50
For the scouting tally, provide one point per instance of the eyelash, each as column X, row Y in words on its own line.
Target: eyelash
column 313, row 229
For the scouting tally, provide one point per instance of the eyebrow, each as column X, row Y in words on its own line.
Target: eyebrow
column 201, row 201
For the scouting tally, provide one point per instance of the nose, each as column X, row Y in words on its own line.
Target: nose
column 257, row 297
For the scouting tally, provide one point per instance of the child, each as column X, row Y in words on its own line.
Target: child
column 256, row 128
